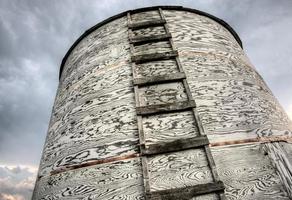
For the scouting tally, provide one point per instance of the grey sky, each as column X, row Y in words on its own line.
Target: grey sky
column 35, row 35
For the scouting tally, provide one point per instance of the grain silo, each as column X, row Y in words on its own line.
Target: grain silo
column 162, row 103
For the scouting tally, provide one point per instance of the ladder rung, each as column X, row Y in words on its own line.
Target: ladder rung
column 159, row 79
column 153, row 56
column 162, row 108
column 177, row 145
column 146, row 24
column 187, row 193
column 154, row 38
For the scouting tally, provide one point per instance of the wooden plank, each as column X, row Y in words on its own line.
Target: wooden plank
column 150, row 31
column 178, row 169
column 145, row 174
column 168, row 32
column 161, row 108
column 141, row 132
column 145, row 24
column 159, row 79
column 129, row 18
column 138, row 40
column 176, row 145
column 163, row 18
column 161, row 13
column 199, row 122
column 211, row 196
column 187, row 193
column 148, row 15
column 177, row 58
column 153, row 56
column 211, row 163
column 187, row 88
column 139, row 120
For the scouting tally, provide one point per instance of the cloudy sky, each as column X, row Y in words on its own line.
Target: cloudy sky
column 35, row 35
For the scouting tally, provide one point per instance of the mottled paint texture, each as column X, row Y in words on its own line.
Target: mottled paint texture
column 94, row 115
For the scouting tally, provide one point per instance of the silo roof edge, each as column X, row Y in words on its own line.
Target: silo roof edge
column 90, row 30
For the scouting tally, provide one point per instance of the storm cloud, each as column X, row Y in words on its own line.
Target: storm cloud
column 35, row 35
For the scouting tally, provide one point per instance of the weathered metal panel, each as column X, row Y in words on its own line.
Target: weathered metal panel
column 232, row 100
column 94, row 115
column 231, row 97
column 116, row 180
column 248, row 173
column 179, row 169
column 169, row 126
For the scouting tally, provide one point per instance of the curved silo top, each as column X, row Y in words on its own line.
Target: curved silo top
column 162, row 103
column 87, row 32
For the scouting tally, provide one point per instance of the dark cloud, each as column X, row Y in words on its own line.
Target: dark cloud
column 35, row 35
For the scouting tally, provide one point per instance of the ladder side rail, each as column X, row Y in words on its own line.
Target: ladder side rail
column 207, row 150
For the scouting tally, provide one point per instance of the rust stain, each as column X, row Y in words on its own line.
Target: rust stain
column 214, row 144
column 254, row 140
column 95, row 162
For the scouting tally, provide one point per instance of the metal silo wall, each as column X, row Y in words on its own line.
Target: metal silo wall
column 238, row 111
column 92, row 151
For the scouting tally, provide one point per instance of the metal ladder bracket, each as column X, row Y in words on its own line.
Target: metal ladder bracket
column 146, row 24
column 187, row 192
column 148, row 39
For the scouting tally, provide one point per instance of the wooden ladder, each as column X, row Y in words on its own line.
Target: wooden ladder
column 199, row 141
